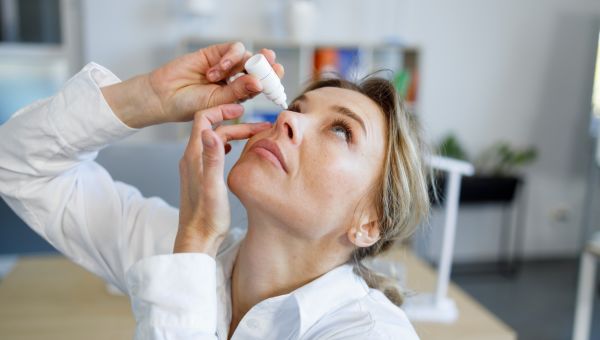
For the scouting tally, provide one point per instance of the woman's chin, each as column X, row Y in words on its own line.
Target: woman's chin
column 249, row 182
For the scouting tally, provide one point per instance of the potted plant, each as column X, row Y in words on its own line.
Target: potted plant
column 496, row 171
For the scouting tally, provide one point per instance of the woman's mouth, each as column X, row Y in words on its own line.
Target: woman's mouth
column 271, row 152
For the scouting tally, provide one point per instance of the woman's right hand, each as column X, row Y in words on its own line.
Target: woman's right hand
column 191, row 83
column 204, row 214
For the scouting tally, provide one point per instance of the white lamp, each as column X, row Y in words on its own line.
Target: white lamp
column 436, row 306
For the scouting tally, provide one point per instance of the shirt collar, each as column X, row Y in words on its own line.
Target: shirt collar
column 326, row 293
column 228, row 253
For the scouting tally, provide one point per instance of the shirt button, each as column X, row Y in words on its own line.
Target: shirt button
column 252, row 323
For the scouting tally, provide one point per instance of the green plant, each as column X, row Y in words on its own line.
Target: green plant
column 450, row 147
column 501, row 159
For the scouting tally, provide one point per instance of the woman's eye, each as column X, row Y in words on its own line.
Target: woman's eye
column 294, row 107
column 342, row 129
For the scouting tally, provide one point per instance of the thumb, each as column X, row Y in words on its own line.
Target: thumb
column 213, row 159
column 240, row 89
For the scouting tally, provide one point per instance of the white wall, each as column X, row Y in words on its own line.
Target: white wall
column 519, row 71
column 131, row 37
column 514, row 70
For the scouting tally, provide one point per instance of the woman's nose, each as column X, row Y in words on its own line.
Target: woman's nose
column 288, row 126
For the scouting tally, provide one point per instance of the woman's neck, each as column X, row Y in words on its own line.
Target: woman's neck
column 270, row 262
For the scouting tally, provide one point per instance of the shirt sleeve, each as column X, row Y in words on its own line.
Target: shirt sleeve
column 49, row 178
column 162, row 312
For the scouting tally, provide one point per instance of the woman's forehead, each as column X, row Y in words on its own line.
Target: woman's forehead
column 337, row 96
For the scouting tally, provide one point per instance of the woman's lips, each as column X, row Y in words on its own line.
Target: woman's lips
column 270, row 150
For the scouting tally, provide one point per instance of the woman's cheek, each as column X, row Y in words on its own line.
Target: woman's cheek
column 339, row 175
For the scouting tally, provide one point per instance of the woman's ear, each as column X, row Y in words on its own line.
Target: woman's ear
column 365, row 235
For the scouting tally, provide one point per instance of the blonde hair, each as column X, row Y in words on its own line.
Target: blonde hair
column 401, row 194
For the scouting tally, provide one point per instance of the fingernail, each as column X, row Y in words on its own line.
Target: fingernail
column 207, row 140
column 252, row 88
column 226, row 64
column 214, row 74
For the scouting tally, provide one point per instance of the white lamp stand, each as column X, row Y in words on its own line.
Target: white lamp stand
column 436, row 306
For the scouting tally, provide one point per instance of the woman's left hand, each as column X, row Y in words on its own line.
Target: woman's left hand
column 204, row 214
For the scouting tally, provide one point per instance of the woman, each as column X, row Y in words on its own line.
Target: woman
column 337, row 178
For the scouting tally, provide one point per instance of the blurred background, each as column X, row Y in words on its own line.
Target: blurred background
column 508, row 87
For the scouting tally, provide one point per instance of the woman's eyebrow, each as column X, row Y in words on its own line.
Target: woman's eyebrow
column 347, row 112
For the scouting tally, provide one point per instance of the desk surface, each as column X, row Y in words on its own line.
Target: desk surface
column 475, row 322
column 52, row 298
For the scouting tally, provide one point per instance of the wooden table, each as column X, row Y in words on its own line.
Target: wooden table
column 51, row 298
column 475, row 322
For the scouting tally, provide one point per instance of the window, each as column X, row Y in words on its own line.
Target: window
column 30, row 21
column 39, row 49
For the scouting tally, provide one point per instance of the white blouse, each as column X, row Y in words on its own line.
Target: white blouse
column 48, row 176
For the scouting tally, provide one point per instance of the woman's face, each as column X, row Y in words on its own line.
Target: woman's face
column 310, row 171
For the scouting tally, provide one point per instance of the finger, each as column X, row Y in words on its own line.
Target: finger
column 203, row 120
column 228, row 133
column 213, row 159
column 239, row 67
column 233, row 56
column 249, row 97
column 222, row 58
column 269, row 55
column 279, row 70
column 238, row 90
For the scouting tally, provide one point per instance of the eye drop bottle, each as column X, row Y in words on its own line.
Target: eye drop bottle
column 259, row 67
